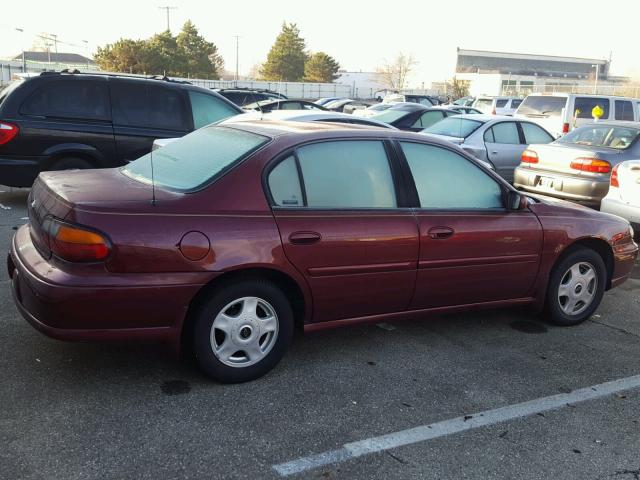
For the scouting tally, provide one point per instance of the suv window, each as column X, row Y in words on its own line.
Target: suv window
column 69, row 99
column 505, row 132
column 586, row 104
column 501, row 103
column 534, row 134
column 207, row 109
column 347, row 174
column 515, row 103
column 167, row 109
column 435, row 169
column 624, row 110
column 428, row 118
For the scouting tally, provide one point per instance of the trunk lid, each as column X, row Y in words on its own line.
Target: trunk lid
column 556, row 157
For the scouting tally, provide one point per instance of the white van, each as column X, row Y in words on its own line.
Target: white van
column 497, row 105
column 559, row 113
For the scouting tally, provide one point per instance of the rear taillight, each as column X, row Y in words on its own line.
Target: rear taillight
column 493, row 112
column 8, row 131
column 565, row 128
column 74, row 243
column 614, row 177
column 529, row 156
column 592, row 165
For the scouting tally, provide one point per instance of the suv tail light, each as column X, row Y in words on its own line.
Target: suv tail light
column 76, row 244
column 493, row 112
column 614, row 177
column 529, row 156
column 565, row 128
column 592, row 165
column 7, row 132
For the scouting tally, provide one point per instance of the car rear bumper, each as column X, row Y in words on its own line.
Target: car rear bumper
column 78, row 310
column 16, row 172
column 621, row 209
column 585, row 190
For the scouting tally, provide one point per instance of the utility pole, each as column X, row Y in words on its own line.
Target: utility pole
column 168, row 9
column 595, row 85
column 237, row 37
column 86, row 51
column 24, row 60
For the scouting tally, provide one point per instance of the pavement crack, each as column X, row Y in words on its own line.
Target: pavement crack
column 622, row 330
column 396, row 458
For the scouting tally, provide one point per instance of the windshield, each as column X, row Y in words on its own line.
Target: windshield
column 196, row 159
column 454, row 127
column 542, row 105
column 608, row 136
column 390, row 115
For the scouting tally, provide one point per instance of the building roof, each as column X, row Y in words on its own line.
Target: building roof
column 45, row 57
column 530, row 56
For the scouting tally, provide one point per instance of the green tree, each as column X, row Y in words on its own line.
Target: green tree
column 201, row 57
column 287, row 56
column 321, row 68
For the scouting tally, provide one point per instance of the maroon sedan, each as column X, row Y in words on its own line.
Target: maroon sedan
column 229, row 237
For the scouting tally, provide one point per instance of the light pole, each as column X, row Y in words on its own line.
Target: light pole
column 237, row 56
column 24, row 60
column 595, row 85
column 86, row 51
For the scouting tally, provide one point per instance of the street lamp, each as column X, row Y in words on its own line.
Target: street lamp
column 86, row 51
column 595, row 85
column 24, row 60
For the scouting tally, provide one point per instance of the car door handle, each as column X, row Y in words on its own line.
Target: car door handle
column 494, row 152
column 439, row 233
column 304, row 238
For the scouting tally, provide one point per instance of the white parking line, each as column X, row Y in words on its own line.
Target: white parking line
column 454, row 425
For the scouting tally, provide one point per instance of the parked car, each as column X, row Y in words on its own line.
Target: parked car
column 560, row 113
column 412, row 117
column 308, row 116
column 59, row 121
column 377, row 108
column 427, row 100
column 347, row 105
column 578, row 165
column 270, row 105
column 456, row 108
column 245, row 96
column 240, row 232
column 623, row 198
column 325, row 100
column 498, row 140
column 497, row 105
column 464, row 101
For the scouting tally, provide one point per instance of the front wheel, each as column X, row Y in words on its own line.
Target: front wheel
column 243, row 331
column 576, row 287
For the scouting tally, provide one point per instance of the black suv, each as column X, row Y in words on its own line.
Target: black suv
column 59, row 120
column 244, row 96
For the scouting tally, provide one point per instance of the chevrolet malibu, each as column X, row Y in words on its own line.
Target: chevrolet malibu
column 222, row 242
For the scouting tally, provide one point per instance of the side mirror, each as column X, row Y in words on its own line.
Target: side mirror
column 516, row 201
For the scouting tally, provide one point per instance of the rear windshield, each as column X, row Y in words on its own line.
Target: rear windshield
column 454, row 127
column 608, row 136
column 196, row 159
column 390, row 115
column 542, row 105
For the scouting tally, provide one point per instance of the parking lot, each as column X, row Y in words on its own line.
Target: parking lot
column 78, row 411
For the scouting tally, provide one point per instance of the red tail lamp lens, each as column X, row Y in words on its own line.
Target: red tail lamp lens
column 529, row 156
column 592, row 165
column 77, row 244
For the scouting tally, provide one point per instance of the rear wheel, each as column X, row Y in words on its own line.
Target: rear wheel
column 243, row 331
column 576, row 287
column 71, row 163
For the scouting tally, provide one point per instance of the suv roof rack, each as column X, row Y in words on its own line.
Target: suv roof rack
column 261, row 90
column 75, row 71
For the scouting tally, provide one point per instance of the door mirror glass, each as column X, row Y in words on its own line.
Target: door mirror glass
column 515, row 200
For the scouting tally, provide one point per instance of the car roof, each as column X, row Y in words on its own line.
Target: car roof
column 414, row 107
column 301, row 116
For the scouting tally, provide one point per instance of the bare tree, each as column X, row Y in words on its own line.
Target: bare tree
column 394, row 74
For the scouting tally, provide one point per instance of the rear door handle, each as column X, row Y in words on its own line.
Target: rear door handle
column 439, row 233
column 304, row 238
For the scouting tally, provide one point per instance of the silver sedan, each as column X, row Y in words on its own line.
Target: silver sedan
column 496, row 140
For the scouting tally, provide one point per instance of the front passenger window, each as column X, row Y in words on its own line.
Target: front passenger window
column 436, row 170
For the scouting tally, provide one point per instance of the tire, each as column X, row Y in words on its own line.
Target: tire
column 232, row 343
column 576, row 287
column 70, row 163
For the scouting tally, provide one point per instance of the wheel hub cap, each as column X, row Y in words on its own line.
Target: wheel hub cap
column 577, row 288
column 244, row 332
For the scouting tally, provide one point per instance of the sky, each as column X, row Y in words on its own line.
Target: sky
column 360, row 34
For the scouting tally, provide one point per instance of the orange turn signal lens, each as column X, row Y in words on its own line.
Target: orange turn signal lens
column 77, row 244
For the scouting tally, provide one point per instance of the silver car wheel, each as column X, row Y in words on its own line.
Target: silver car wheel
column 577, row 288
column 244, row 332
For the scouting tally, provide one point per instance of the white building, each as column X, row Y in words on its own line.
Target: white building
column 501, row 73
column 362, row 84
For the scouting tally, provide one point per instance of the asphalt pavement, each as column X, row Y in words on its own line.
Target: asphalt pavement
column 120, row 411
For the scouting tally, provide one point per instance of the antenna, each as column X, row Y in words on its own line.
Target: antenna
column 153, row 180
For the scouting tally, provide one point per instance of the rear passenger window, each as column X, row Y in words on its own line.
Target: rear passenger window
column 534, row 134
column 284, row 184
column 501, row 103
column 427, row 119
column 584, row 105
column 207, row 109
column 516, row 103
column 129, row 104
column 347, row 174
column 167, row 109
column 505, row 132
column 69, row 99
column 624, row 110
column 436, row 169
